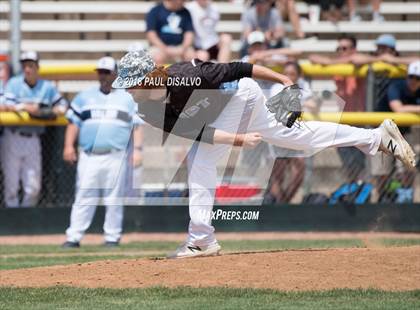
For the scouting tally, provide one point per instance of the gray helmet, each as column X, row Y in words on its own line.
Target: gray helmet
column 133, row 68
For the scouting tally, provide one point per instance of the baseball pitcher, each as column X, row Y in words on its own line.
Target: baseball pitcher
column 212, row 121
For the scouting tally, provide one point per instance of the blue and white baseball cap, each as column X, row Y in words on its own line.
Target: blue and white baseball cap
column 133, row 68
column 386, row 40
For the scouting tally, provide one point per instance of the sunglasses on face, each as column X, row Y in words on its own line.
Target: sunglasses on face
column 414, row 77
column 103, row 71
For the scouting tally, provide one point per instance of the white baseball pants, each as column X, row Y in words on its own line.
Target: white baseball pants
column 21, row 161
column 203, row 157
column 100, row 180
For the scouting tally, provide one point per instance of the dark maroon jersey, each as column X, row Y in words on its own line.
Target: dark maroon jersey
column 189, row 108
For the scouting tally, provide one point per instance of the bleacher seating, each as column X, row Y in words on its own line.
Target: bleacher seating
column 103, row 46
column 235, row 27
column 225, row 7
column 50, row 27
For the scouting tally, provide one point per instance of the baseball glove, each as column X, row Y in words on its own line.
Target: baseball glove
column 286, row 105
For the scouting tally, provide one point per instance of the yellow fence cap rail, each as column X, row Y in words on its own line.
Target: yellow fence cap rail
column 23, row 118
column 69, row 69
column 350, row 118
column 391, row 71
column 308, row 69
column 365, row 118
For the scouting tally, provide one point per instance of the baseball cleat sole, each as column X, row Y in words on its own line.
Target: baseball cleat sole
column 393, row 143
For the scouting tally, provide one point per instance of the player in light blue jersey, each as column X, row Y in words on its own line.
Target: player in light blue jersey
column 102, row 119
column 21, row 149
column 4, row 77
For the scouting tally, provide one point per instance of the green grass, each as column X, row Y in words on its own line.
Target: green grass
column 129, row 247
column 399, row 242
column 24, row 256
column 202, row 298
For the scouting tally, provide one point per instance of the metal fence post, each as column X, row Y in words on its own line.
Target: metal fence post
column 370, row 97
column 370, row 89
column 15, row 34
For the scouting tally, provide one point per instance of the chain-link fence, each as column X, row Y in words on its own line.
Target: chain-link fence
column 57, row 177
column 265, row 174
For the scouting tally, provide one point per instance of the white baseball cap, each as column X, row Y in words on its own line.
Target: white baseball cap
column 414, row 68
column 29, row 55
column 256, row 37
column 106, row 63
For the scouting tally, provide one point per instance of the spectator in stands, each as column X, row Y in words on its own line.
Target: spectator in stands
column 263, row 17
column 258, row 53
column 21, row 149
column 170, row 32
column 333, row 10
column 287, row 10
column 352, row 91
column 386, row 44
column 376, row 15
column 330, row 10
column 101, row 119
column 209, row 45
column 386, row 50
column 403, row 95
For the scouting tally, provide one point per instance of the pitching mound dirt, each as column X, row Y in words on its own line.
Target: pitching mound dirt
column 180, row 237
column 381, row 268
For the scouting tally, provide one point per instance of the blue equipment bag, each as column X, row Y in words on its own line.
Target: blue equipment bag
column 354, row 193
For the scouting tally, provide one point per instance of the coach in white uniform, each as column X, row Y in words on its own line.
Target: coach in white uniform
column 21, row 146
column 102, row 119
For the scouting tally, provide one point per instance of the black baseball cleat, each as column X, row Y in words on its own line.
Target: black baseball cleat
column 69, row 245
column 111, row 244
